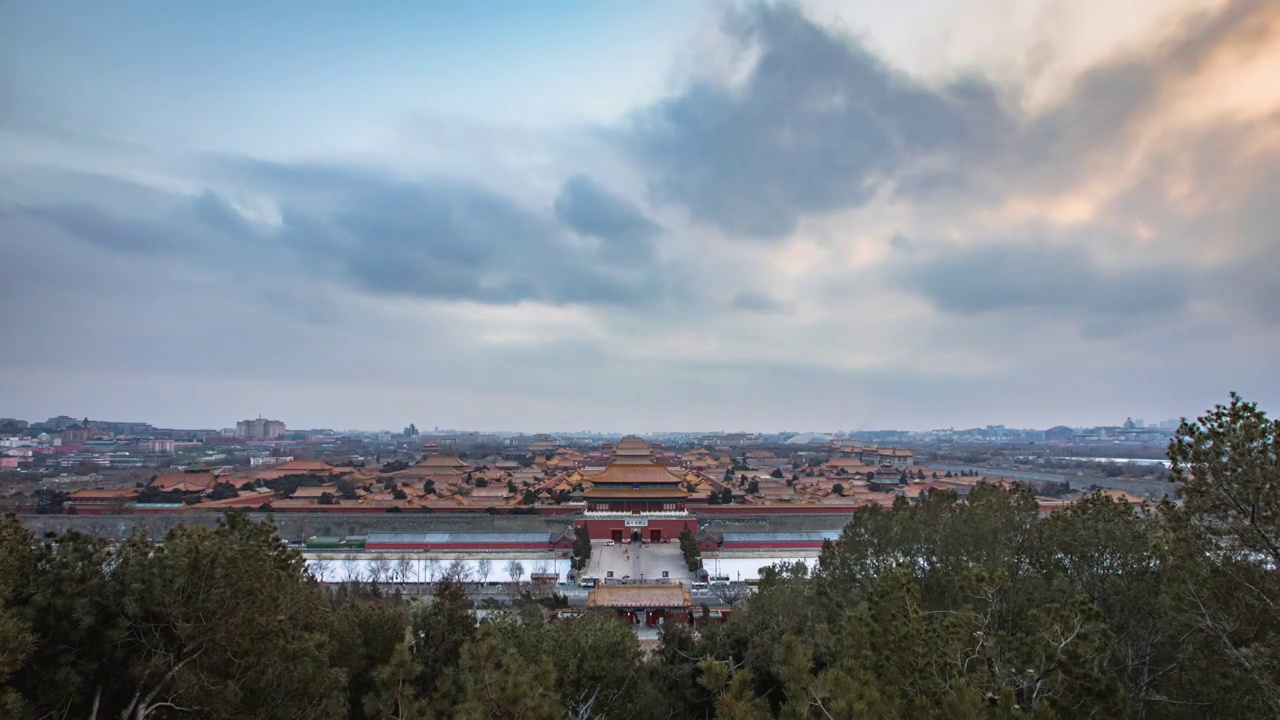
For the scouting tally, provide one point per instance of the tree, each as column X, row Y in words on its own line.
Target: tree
column 49, row 502
column 598, row 665
column 753, row 487
column 429, row 487
column 838, row 489
column 581, row 547
column 366, row 633
column 223, row 491
column 394, row 695
column 497, row 682
column 399, row 494
column 1226, row 466
column 219, row 619
column 690, row 549
column 731, row 593
column 403, row 570
column 485, row 566
column 18, row 563
column 346, row 489
column 530, row 497
column 441, row 628
column 515, row 570
column 378, row 570
column 457, row 571
column 326, row 499
column 777, row 473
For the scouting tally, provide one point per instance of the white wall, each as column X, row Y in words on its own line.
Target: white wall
column 425, row 568
column 749, row 568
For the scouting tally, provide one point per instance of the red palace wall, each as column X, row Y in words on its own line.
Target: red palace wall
column 603, row 529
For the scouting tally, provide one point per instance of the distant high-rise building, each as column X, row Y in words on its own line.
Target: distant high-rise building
column 260, row 429
column 160, row 446
column 411, row 431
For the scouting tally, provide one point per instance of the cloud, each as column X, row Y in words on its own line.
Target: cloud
column 588, row 208
column 1039, row 277
column 758, row 302
column 103, row 228
column 819, row 124
column 442, row 238
column 819, row 198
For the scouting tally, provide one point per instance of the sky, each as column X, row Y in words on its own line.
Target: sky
column 639, row 217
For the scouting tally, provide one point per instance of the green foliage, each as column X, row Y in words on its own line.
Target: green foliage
column 286, row 485
column 223, row 491
column 49, row 502
column 689, row 548
column 981, row 609
column 581, row 547
column 346, row 490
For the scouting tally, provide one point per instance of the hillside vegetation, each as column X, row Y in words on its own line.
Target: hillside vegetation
column 939, row 609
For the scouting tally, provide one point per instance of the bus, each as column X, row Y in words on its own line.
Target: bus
column 699, row 585
column 588, row 582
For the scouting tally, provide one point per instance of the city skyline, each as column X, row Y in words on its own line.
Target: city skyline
column 427, row 431
column 808, row 215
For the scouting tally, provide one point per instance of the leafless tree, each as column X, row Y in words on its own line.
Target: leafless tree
column 379, row 570
column 731, row 593
column 457, row 571
column 350, row 568
column 320, row 570
column 485, row 566
column 515, row 570
column 403, row 569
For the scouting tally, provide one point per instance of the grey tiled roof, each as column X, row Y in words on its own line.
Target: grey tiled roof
column 737, row 537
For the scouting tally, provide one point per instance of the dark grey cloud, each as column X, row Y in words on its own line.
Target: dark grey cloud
column 1042, row 278
column 102, row 227
column 817, row 125
column 821, row 123
column 439, row 238
column 590, row 209
column 758, row 302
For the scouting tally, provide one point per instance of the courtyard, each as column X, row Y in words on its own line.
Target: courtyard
column 634, row 562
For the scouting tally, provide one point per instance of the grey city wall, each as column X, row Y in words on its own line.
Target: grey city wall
column 299, row 526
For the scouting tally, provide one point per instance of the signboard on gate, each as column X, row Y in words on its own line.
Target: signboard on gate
column 637, row 523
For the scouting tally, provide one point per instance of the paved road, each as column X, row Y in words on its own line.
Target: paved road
column 637, row 561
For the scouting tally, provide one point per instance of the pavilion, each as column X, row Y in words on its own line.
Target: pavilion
column 635, row 498
column 649, row 605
